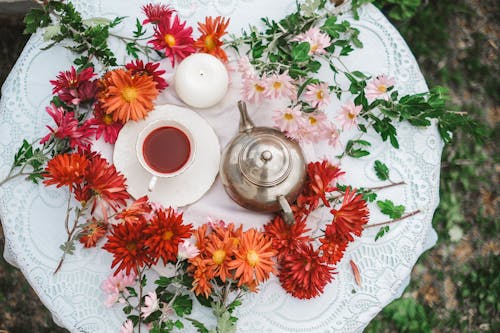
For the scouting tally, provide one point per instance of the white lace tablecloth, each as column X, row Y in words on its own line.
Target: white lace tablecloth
column 32, row 216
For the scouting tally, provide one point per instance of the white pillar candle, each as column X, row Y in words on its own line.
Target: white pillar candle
column 201, row 80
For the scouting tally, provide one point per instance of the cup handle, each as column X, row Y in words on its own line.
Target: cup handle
column 152, row 183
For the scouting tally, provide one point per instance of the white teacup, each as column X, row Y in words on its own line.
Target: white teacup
column 165, row 148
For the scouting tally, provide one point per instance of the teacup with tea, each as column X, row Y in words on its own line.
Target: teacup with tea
column 165, row 148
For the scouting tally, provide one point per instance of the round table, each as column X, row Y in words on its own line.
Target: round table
column 32, row 216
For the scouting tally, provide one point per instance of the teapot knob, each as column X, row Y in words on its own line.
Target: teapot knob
column 266, row 155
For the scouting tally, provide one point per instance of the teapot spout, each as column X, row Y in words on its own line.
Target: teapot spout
column 246, row 124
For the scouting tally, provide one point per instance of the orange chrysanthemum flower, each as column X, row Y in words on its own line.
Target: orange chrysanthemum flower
column 201, row 237
column 126, row 243
column 127, row 96
column 164, row 234
column 253, row 258
column 210, row 39
column 201, row 276
column 65, row 169
column 92, row 233
column 286, row 237
column 219, row 252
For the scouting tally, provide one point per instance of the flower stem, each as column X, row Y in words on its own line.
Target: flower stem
column 393, row 221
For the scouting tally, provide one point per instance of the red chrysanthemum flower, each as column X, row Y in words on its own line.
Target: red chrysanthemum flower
column 136, row 212
column 104, row 125
column 211, row 33
column 127, row 244
column 253, row 261
column 333, row 245
column 127, row 96
column 92, row 233
column 164, row 233
column 68, row 127
column 174, row 38
column 303, row 273
column 106, row 185
column 74, row 88
column 321, row 177
column 286, row 237
column 352, row 215
column 156, row 12
column 66, row 169
column 150, row 69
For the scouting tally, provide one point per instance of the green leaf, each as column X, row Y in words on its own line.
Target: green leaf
column 353, row 148
column 300, row 52
column 198, row 325
column 132, row 291
column 381, row 170
column 183, row 305
column 388, row 208
column 128, row 309
column 205, row 301
column 34, row 19
column 225, row 324
column 382, row 231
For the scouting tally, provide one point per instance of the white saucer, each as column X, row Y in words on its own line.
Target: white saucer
column 180, row 190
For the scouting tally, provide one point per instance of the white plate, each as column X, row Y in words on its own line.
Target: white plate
column 180, row 190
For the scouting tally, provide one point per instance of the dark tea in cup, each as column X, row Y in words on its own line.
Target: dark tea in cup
column 166, row 149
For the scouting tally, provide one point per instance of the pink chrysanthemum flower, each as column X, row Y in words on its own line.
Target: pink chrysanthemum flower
column 127, row 327
column 317, row 95
column 332, row 134
column 289, row 120
column 316, row 39
column 115, row 284
column 280, row 85
column 315, row 127
column 378, row 87
column 173, row 37
column 151, row 304
column 104, row 125
column 73, row 87
column 187, row 250
column 253, row 89
column 348, row 116
column 156, row 12
column 245, row 68
column 68, row 128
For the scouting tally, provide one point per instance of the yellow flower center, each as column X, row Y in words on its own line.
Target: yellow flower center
column 382, row 88
column 288, row 116
column 252, row 258
column 313, row 120
column 167, row 235
column 129, row 94
column 351, row 115
column 219, row 256
column 259, row 88
column 314, row 48
column 107, row 119
column 170, row 40
column 210, row 43
column 277, row 85
column 131, row 247
column 320, row 95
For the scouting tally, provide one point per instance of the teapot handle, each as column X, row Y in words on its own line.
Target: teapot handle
column 287, row 210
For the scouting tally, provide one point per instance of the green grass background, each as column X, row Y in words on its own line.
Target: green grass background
column 455, row 285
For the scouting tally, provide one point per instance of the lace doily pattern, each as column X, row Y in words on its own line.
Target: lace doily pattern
column 31, row 215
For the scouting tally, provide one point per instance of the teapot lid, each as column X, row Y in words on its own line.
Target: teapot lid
column 265, row 160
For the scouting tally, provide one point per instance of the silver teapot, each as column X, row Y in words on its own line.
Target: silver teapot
column 262, row 169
